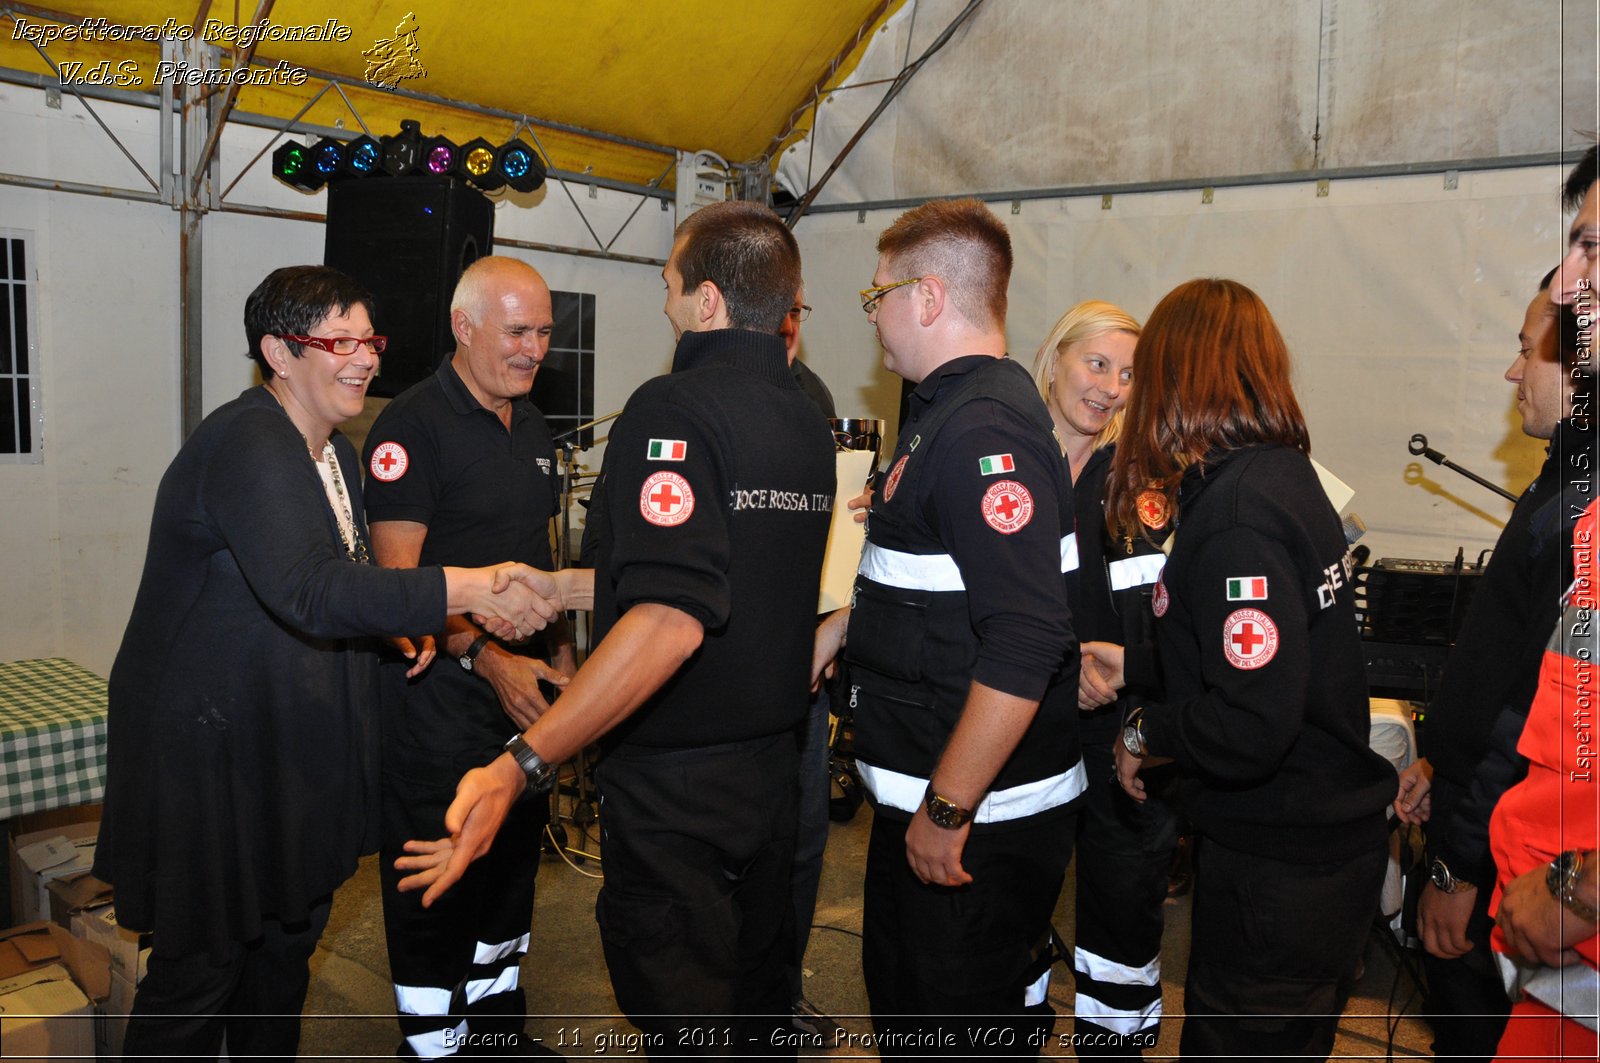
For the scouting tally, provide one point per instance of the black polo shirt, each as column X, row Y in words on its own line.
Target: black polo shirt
column 436, row 456
column 715, row 498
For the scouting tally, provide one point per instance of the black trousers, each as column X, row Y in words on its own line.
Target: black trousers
column 1124, row 854
column 811, row 834
column 1466, row 1003
column 947, row 968
column 254, row 995
column 696, row 918
column 1273, row 952
column 456, row 965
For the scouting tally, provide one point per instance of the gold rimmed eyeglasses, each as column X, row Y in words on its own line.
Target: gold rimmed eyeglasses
column 871, row 296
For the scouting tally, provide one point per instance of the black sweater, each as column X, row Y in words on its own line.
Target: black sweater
column 1266, row 701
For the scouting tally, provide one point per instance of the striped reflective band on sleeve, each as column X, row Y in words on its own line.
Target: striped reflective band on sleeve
column 905, row 792
column 1136, row 571
column 933, row 572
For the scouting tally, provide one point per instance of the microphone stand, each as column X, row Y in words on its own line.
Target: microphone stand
column 568, row 441
column 1419, row 447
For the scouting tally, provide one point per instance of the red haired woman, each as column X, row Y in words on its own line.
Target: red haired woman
column 1265, row 708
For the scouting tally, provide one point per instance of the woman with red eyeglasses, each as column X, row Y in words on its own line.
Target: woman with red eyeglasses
column 242, row 742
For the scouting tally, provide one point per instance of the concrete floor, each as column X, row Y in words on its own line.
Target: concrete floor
column 349, row 1011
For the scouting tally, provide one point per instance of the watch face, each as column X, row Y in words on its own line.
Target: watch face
column 466, row 662
column 945, row 814
column 1130, row 741
column 1439, row 875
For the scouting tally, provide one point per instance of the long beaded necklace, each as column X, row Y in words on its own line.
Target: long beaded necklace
column 355, row 548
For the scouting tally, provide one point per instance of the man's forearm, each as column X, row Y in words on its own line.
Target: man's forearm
column 645, row 649
column 991, row 725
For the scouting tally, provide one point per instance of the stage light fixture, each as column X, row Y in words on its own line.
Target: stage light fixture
column 521, row 166
column 362, row 157
column 327, row 158
column 477, row 165
column 402, row 152
column 291, row 164
column 439, row 156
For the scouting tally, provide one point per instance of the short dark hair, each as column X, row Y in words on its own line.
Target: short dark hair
column 1582, row 177
column 961, row 242
column 294, row 300
column 749, row 254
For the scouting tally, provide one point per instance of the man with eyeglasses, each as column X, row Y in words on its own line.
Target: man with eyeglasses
column 461, row 466
column 964, row 668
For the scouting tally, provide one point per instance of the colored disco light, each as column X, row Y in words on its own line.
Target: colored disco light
column 522, row 168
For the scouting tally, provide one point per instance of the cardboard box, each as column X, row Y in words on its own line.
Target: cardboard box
column 44, row 1015
column 111, row 1022
column 39, row 858
column 71, row 894
column 129, row 957
column 35, row 945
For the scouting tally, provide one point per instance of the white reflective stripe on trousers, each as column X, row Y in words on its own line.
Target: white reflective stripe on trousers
column 1109, row 971
column 478, row 988
column 1126, row 1023
column 485, row 953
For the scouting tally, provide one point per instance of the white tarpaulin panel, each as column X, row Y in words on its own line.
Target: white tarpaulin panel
column 1400, row 301
column 1046, row 94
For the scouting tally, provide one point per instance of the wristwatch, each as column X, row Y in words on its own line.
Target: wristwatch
column 1443, row 881
column 945, row 812
column 1562, row 881
column 541, row 776
column 472, row 651
column 1133, row 732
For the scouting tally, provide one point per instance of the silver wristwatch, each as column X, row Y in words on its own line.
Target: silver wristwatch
column 541, row 776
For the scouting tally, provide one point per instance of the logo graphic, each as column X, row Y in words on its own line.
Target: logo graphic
column 1152, row 508
column 894, row 477
column 666, row 450
column 996, row 463
column 1159, row 600
column 1247, row 588
column 666, row 499
column 1249, row 638
column 1007, row 507
column 392, row 60
column 389, row 462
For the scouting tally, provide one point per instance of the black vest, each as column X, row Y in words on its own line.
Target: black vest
column 911, row 645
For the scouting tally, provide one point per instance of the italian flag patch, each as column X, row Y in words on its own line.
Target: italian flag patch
column 666, row 450
column 1247, row 588
column 996, row 463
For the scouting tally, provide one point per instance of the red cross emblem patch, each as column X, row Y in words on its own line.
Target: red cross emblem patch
column 1249, row 638
column 1159, row 601
column 666, row 499
column 894, row 477
column 1152, row 507
column 1007, row 507
column 389, row 462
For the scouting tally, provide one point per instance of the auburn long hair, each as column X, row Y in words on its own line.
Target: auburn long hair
column 1213, row 376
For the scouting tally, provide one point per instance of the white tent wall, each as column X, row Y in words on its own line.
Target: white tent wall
column 1400, row 300
column 106, row 306
column 1172, row 90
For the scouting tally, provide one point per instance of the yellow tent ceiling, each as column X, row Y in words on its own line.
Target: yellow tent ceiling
column 683, row 74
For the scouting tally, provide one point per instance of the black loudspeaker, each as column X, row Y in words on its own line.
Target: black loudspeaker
column 407, row 240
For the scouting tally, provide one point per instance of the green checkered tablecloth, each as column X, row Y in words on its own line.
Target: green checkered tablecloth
column 52, row 736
